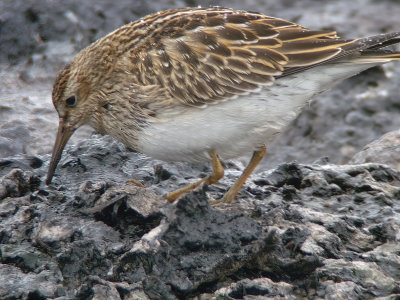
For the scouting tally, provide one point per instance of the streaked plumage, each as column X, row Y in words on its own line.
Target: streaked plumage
column 184, row 83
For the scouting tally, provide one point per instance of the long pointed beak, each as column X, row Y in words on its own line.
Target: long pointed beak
column 63, row 135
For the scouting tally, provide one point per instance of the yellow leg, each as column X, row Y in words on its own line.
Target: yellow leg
column 137, row 182
column 229, row 197
column 217, row 174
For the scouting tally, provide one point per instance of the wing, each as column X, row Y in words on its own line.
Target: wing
column 203, row 55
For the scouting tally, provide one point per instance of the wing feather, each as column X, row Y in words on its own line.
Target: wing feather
column 203, row 55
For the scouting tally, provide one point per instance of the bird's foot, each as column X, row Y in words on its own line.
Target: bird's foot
column 228, row 198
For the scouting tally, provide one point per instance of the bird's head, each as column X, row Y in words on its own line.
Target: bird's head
column 77, row 102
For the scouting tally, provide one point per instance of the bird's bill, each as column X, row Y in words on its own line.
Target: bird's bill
column 63, row 135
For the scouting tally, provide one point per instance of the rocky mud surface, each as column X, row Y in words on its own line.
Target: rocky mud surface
column 319, row 220
column 312, row 231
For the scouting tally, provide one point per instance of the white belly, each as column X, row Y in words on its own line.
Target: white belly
column 237, row 126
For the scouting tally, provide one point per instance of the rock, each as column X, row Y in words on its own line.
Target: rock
column 72, row 20
column 385, row 150
column 17, row 183
column 331, row 227
column 15, row 284
column 260, row 288
column 205, row 245
column 361, row 277
column 14, row 138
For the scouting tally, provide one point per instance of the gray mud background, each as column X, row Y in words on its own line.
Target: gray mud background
column 324, row 227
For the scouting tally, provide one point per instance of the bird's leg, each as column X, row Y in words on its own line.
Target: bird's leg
column 229, row 197
column 217, row 174
column 137, row 182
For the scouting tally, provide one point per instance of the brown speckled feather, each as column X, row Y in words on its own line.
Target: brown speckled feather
column 201, row 55
column 216, row 53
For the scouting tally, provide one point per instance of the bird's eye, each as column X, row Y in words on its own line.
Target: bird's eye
column 71, row 101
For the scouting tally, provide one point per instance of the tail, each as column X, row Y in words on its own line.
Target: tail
column 370, row 49
column 364, row 51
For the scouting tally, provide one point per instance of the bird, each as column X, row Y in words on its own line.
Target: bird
column 204, row 84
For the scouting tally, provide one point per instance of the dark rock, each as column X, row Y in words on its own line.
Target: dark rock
column 18, row 183
column 206, row 244
column 336, row 232
column 16, row 284
column 130, row 209
column 385, row 150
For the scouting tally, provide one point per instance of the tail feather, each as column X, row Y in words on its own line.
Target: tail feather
column 377, row 57
column 379, row 41
column 359, row 51
column 374, row 52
